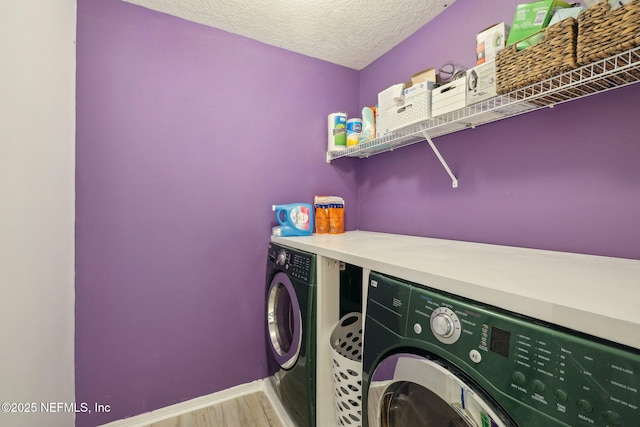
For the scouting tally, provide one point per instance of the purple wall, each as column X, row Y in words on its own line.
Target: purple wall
column 186, row 136
column 562, row 179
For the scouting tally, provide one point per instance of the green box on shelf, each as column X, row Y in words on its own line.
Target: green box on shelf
column 531, row 17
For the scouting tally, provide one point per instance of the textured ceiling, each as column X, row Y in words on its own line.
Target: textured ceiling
column 352, row 33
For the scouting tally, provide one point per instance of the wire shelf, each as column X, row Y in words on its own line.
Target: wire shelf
column 610, row 73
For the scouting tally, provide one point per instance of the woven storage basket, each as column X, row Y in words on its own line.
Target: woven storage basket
column 603, row 32
column 554, row 55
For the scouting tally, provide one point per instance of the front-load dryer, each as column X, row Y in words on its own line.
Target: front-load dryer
column 439, row 360
column 290, row 330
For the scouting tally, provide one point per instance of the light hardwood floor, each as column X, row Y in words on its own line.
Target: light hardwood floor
column 252, row 410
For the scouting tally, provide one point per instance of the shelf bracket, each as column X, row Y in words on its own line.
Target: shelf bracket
column 454, row 180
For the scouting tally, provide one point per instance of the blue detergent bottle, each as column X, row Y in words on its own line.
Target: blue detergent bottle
column 295, row 219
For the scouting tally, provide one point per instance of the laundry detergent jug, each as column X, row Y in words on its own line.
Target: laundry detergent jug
column 295, row 219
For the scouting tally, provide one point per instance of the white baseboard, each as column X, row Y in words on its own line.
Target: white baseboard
column 181, row 408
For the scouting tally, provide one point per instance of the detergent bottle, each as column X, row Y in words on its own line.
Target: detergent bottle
column 295, row 219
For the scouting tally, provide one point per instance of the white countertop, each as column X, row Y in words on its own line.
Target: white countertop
column 592, row 294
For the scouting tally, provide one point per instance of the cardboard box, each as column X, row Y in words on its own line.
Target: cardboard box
column 449, row 97
column 428, row 75
column 481, row 83
column 531, row 17
column 490, row 41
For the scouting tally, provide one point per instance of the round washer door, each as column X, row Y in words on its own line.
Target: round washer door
column 408, row 390
column 284, row 321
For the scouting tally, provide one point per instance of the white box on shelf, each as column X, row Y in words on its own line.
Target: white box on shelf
column 449, row 97
column 490, row 41
column 481, row 82
column 387, row 99
column 381, row 123
column 390, row 96
column 414, row 107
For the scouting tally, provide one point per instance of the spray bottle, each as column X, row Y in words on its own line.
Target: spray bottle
column 295, row 219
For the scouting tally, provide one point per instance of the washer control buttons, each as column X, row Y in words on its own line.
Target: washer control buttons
column 538, row 386
column 518, row 378
column 585, row 406
column 561, row 395
column 475, row 356
column 613, row 418
column 417, row 328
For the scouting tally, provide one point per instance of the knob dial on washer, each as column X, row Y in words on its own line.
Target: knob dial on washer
column 282, row 257
column 445, row 325
column 442, row 325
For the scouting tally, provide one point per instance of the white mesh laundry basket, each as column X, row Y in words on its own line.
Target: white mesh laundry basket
column 346, row 353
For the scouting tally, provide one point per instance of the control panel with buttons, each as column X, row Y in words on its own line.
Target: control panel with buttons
column 573, row 378
column 296, row 264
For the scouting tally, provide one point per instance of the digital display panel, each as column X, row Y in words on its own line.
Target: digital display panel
column 500, row 340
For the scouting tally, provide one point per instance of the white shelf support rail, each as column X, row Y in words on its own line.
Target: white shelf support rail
column 454, row 180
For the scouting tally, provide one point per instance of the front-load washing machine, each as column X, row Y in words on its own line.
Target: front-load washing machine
column 435, row 359
column 290, row 330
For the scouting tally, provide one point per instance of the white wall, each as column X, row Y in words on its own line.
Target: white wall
column 37, row 196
